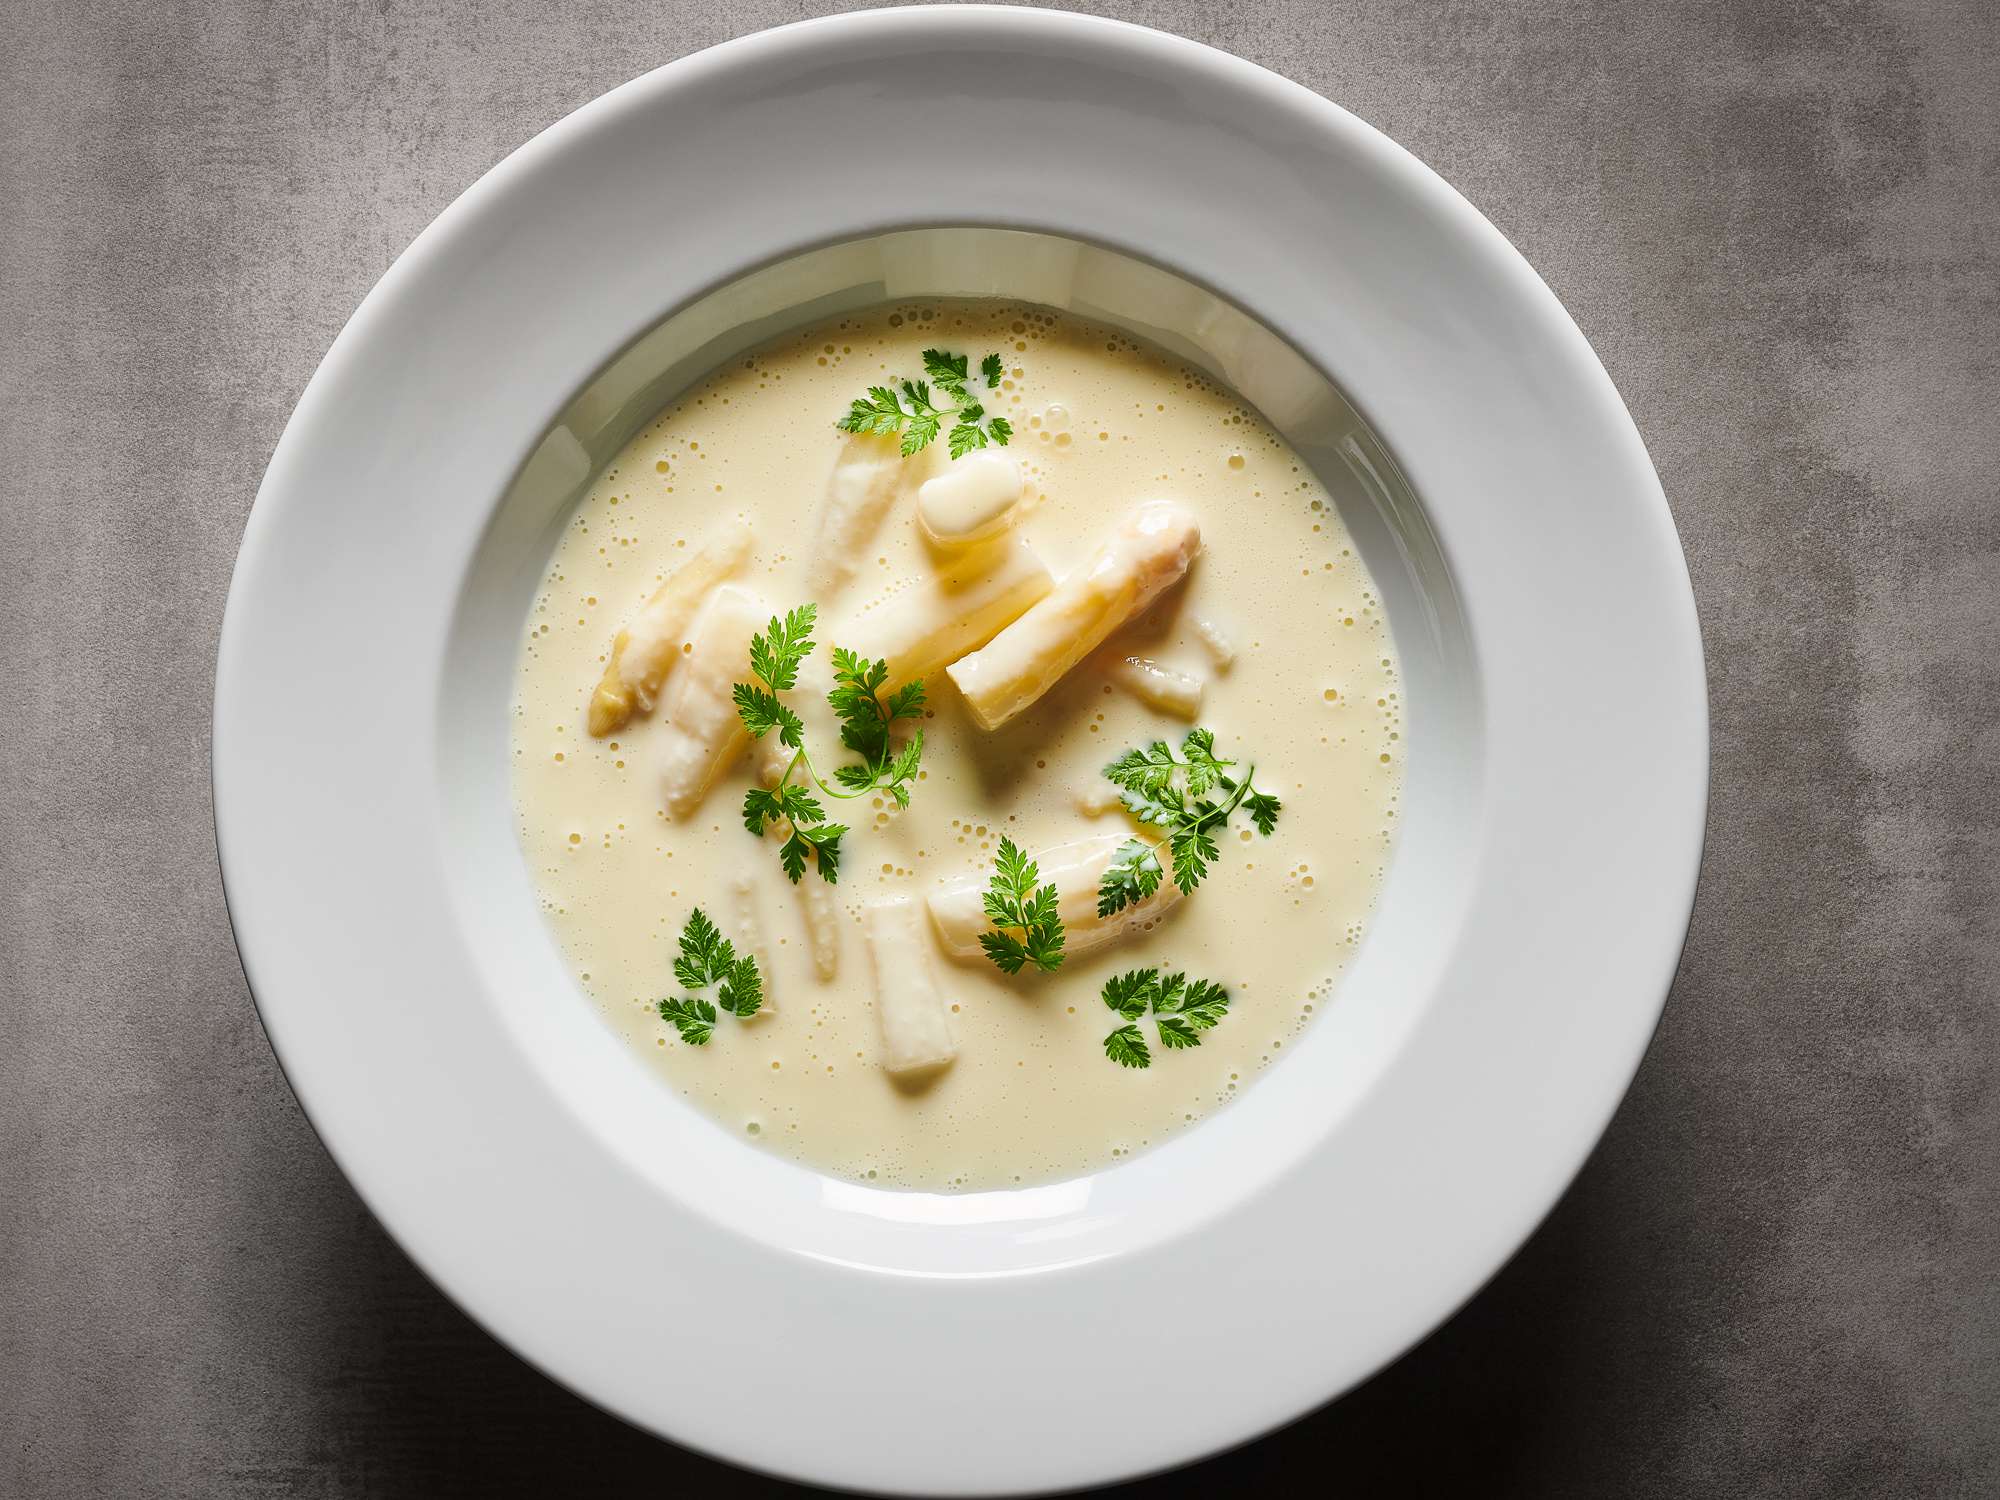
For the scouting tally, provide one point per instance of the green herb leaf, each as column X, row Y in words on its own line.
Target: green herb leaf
column 706, row 958
column 1127, row 1048
column 705, row 953
column 1263, row 811
column 761, row 712
column 907, row 409
column 1193, row 851
column 948, row 370
column 1130, row 993
column 1206, row 1003
column 1204, row 770
column 1028, row 929
column 1148, row 772
column 776, row 652
column 1132, row 876
column 693, row 1019
column 742, row 990
column 822, row 841
column 1181, row 1012
column 1191, row 795
column 865, row 721
column 792, row 856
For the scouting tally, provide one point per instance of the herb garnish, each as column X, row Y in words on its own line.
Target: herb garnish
column 865, row 720
column 1029, row 930
column 883, row 410
column 1191, row 795
column 707, row 957
column 1182, row 1010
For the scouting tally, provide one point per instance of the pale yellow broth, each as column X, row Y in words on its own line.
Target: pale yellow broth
column 1312, row 698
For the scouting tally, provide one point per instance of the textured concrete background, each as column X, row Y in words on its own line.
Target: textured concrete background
column 1780, row 225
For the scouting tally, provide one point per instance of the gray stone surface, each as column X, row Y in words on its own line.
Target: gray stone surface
column 1780, row 225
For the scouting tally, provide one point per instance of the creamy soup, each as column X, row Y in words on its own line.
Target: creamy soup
column 1142, row 558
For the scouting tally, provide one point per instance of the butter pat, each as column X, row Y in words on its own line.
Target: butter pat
column 976, row 498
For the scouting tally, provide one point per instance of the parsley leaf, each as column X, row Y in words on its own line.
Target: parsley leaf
column 1148, row 772
column 1204, row 770
column 882, row 413
column 965, row 437
column 1127, row 1047
column 1132, row 876
column 776, row 654
column 1190, row 794
column 742, row 989
column 706, row 955
column 1206, row 1003
column 1181, row 1011
column 907, row 409
column 1128, row 993
column 948, row 370
column 865, row 721
column 1263, row 811
column 1027, row 927
column 693, row 1019
column 761, row 712
column 708, row 958
column 822, row 841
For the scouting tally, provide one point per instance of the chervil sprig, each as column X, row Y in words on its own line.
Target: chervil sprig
column 906, row 409
column 1190, row 795
column 1182, row 1009
column 866, row 719
column 864, row 726
column 693, row 1019
column 708, row 958
column 1027, row 928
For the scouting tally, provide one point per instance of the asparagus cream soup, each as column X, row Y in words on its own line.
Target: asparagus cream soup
column 958, row 745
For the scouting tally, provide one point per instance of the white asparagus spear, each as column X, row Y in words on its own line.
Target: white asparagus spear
column 822, row 921
column 1172, row 692
column 815, row 898
column 1095, row 798
column 701, row 733
column 867, row 476
column 747, row 932
column 958, row 907
column 772, row 755
column 977, row 497
column 1149, row 551
column 916, row 1022
column 644, row 652
column 1215, row 640
column 920, row 628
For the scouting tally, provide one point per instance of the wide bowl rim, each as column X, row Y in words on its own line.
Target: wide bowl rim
column 971, row 26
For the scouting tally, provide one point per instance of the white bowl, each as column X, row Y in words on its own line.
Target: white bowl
column 996, row 1342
